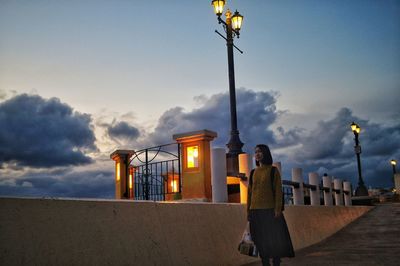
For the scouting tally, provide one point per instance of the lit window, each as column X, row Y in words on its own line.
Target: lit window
column 174, row 185
column 192, row 156
column 118, row 174
column 131, row 170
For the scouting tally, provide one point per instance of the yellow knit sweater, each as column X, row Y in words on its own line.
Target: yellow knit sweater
column 260, row 195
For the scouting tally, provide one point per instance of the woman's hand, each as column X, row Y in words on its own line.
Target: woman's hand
column 278, row 213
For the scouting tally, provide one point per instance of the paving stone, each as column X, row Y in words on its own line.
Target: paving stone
column 373, row 239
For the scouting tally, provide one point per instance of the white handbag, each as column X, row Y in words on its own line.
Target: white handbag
column 246, row 245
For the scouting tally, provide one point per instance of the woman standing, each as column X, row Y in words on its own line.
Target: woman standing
column 264, row 210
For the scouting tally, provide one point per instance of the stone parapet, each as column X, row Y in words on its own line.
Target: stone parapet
column 126, row 232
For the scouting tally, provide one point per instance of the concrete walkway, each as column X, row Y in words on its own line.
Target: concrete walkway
column 373, row 239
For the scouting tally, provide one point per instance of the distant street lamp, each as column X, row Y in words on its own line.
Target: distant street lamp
column 361, row 189
column 393, row 163
column 232, row 27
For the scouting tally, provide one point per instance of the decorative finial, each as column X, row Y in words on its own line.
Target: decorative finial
column 228, row 14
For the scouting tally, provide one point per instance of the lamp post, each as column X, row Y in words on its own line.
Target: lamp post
column 361, row 189
column 393, row 163
column 232, row 27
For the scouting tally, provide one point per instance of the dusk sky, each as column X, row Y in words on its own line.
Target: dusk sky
column 80, row 79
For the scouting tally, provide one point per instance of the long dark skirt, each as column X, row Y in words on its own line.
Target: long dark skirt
column 270, row 234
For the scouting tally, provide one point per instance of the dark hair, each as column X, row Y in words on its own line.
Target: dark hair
column 267, row 157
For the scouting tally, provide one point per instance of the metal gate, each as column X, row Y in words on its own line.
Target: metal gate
column 157, row 173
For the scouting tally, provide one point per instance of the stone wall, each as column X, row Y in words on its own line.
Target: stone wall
column 121, row 232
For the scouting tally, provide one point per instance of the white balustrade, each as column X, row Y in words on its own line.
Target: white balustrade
column 338, row 186
column 314, row 194
column 326, row 182
column 347, row 197
column 245, row 166
column 298, row 193
column 218, row 175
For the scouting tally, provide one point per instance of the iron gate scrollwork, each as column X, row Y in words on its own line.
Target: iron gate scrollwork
column 157, row 172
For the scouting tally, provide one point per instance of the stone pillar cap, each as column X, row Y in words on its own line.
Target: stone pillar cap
column 118, row 153
column 195, row 135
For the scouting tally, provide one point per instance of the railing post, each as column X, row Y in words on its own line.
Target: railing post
column 298, row 193
column 327, row 183
column 179, row 168
column 314, row 194
column 218, row 175
column 337, row 184
column 245, row 166
column 347, row 197
column 146, row 176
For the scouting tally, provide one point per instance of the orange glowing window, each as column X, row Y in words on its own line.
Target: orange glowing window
column 192, row 156
column 118, row 173
column 130, row 181
column 131, row 171
column 174, row 186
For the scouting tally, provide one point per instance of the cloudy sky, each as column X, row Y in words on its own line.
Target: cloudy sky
column 79, row 79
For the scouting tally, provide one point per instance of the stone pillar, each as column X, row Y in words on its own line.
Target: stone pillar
column 218, row 175
column 196, row 164
column 314, row 194
column 326, row 182
column 337, row 184
column 298, row 193
column 347, row 197
column 121, row 158
column 245, row 166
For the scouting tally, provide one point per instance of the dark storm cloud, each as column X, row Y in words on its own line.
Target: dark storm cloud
column 87, row 184
column 326, row 140
column 330, row 148
column 380, row 140
column 37, row 132
column 122, row 130
column 256, row 112
column 327, row 148
column 288, row 138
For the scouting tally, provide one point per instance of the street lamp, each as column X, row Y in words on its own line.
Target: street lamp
column 361, row 190
column 232, row 27
column 393, row 163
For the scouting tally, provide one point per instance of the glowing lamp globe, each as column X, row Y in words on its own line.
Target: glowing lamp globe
column 218, row 6
column 353, row 127
column 237, row 20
